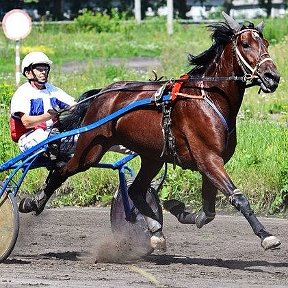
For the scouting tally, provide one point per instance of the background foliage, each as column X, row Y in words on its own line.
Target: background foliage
column 259, row 166
column 70, row 9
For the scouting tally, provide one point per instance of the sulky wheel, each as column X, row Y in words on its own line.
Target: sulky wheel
column 9, row 224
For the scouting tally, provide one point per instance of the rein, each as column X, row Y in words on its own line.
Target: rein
column 134, row 85
column 177, row 83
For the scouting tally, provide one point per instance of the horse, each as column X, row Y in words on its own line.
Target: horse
column 194, row 129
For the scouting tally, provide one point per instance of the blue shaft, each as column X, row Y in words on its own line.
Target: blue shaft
column 118, row 113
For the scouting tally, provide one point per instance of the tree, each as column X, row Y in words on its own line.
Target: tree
column 267, row 5
column 58, row 9
column 181, row 7
column 6, row 6
column 227, row 5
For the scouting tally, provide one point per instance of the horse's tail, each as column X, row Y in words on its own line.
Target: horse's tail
column 74, row 119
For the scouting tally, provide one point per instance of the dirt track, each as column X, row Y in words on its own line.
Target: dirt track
column 59, row 248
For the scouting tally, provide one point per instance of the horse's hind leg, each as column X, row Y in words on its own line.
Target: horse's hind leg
column 137, row 192
column 53, row 181
column 205, row 215
column 81, row 160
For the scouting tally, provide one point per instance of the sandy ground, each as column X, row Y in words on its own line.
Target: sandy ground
column 59, row 249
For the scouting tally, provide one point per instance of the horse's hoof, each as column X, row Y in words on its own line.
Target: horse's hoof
column 270, row 242
column 177, row 209
column 158, row 241
column 202, row 218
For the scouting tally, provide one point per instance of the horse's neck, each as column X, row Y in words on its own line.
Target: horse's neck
column 232, row 91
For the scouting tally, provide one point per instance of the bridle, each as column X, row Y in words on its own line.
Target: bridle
column 250, row 73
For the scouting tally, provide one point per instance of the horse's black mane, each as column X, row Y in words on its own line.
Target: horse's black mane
column 74, row 119
column 221, row 35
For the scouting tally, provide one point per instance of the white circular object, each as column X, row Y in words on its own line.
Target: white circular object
column 16, row 24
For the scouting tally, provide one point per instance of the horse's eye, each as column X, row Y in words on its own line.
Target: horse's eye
column 245, row 44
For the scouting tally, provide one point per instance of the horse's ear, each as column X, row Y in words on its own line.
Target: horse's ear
column 235, row 26
column 260, row 26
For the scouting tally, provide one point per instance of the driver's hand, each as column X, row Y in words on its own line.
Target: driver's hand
column 53, row 113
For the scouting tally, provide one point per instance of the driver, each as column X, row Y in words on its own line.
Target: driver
column 33, row 117
column 32, row 114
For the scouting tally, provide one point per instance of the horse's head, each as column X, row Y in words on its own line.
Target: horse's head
column 251, row 50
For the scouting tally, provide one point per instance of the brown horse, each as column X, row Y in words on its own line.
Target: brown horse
column 195, row 129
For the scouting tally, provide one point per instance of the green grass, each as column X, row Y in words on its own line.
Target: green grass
column 260, row 161
column 259, row 166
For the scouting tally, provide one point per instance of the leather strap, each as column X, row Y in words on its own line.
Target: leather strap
column 177, row 86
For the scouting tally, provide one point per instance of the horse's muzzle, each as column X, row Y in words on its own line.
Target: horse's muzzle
column 269, row 81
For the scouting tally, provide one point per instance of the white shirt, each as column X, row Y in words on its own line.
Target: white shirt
column 32, row 101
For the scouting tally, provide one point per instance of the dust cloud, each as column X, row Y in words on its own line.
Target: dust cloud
column 120, row 249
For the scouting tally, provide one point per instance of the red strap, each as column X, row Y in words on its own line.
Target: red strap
column 177, row 86
column 41, row 125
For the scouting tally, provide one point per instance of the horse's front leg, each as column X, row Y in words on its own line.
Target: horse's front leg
column 213, row 168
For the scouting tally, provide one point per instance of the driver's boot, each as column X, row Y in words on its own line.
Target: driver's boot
column 37, row 204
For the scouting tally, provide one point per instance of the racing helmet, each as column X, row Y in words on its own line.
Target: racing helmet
column 33, row 58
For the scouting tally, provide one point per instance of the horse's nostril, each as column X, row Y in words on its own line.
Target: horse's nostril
column 272, row 76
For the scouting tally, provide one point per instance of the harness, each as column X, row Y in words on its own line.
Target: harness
column 169, row 147
column 250, row 74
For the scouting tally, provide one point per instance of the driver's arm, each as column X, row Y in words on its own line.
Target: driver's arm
column 32, row 121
